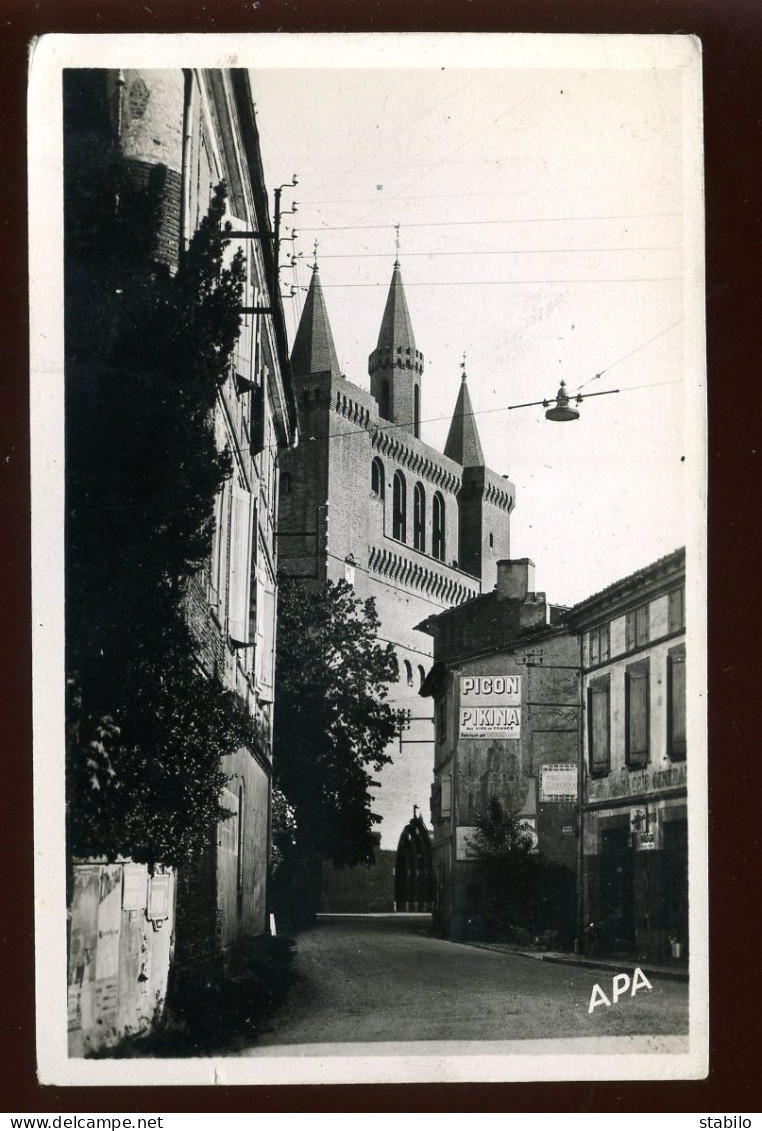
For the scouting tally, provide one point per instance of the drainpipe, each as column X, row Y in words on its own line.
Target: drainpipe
column 580, row 945
column 185, row 177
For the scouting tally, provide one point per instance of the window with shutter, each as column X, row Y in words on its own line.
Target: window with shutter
column 446, row 803
column 637, row 627
column 677, row 609
column 442, row 720
column 676, row 734
column 599, row 726
column 637, row 714
column 239, row 571
column 219, row 548
column 265, row 649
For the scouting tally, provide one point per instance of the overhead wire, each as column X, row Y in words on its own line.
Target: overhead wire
column 512, row 251
column 478, row 223
column 630, row 354
column 513, row 282
column 388, row 425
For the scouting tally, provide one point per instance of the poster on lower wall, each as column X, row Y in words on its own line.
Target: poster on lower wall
column 109, row 922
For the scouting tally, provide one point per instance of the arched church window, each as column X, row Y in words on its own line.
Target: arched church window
column 384, row 408
column 419, row 517
column 438, row 531
column 421, row 676
column 399, row 510
column 377, row 478
column 417, row 411
column 409, row 673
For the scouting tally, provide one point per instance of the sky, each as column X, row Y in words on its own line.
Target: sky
column 542, row 234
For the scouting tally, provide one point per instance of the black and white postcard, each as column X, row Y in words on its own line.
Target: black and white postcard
column 369, row 558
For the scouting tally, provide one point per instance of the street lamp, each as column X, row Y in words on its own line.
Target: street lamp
column 562, row 410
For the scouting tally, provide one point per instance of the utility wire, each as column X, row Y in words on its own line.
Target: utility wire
column 528, row 251
column 387, row 426
column 476, row 223
column 512, row 283
column 496, row 192
column 630, row 354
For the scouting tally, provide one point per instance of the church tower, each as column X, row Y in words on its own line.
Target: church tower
column 314, row 350
column 396, row 366
column 485, row 500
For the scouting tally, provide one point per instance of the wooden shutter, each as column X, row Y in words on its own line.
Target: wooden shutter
column 446, row 802
column 599, row 734
column 642, row 624
column 676, row 609
column 268, row 642
column 676, row 734
column 240, row 566
column 243, row 350
column 637, row 713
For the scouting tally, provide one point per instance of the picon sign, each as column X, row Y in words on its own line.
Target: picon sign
column 490, row 706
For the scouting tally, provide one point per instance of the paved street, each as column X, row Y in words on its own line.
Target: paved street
column 384, row 978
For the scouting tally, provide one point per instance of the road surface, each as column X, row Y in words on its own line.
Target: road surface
column 386, row 978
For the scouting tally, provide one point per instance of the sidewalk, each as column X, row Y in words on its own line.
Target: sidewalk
column 671, row 973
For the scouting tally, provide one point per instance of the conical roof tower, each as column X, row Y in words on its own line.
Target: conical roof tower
column 463, row 443
column 314, row 350
column 395, row 366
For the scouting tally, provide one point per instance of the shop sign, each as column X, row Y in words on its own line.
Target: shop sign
column 568, row 830
column 490, row 706
column 627, row 783
column 558, row 783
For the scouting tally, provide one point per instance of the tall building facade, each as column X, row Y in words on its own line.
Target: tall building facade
column 180, row 134
column 505, row 685
column 364, row 499
column 633, row 804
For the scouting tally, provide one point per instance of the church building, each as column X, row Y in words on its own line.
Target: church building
column 364, row 499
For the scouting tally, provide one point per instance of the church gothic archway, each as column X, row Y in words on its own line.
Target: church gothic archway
column 414, row 872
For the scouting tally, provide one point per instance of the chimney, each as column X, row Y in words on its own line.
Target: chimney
column 515, row 578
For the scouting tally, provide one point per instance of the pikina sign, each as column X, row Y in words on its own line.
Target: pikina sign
column 490, row 706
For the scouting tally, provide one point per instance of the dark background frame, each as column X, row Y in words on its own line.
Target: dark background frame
column 731, row 35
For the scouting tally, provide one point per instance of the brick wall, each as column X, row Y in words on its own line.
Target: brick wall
column 359, row 890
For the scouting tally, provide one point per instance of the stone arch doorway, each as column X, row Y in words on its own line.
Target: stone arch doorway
column 414, row 872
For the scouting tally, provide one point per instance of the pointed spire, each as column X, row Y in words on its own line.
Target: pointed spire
column 396, row 333
column 314, row 351
column 463, row 444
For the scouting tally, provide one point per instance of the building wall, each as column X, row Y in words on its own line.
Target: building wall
column 120, row 947
column 634, row 819
column 349, row 535
column 469, row 771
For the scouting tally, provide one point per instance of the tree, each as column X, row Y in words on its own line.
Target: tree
column 146, row 352
column 522, row 890
column 332, row 723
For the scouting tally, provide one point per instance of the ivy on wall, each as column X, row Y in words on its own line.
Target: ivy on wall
column 146, row 352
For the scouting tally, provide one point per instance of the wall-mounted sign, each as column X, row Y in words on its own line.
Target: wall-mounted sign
column 158, row 896
column 568, row 830
column 463, row 836
column 135, row 887
column 490, row 706
column 629, row 783
column 558, row 783
column 529, row 825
